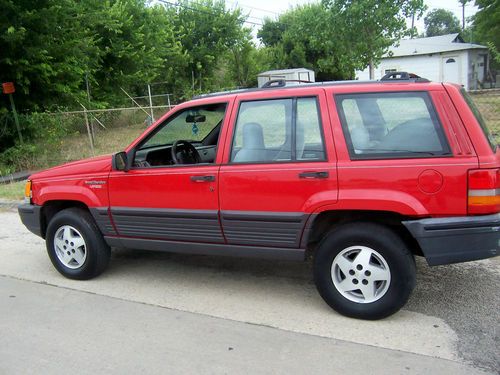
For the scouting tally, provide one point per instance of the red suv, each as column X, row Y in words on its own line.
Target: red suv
column 361, row 176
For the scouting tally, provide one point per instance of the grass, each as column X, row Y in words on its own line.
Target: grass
column 123, row 127
column 13, row 191
column 489, row 106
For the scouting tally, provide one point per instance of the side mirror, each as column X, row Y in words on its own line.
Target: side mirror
column 120, row 161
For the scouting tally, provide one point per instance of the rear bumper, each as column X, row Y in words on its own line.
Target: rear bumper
column 30, row 216
column 457, row 239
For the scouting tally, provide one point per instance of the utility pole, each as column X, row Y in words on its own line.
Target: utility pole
column 151, row 104
column 463, row 2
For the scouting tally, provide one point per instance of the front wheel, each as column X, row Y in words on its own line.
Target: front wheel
column 75, row 245
column 364, row 270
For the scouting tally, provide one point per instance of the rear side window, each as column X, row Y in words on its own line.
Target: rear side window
column 391, row 125
column 278, row 130
column 480, row 119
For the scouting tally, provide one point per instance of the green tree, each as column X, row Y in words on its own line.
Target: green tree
column 302, row 44
column 337, row 37
column 135, row 42
column 441, row 22
column 486, row 22
column 45, row 51
column 206, row 31
column 50, row 48
column 369, row 27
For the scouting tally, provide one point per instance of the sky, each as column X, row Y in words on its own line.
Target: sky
column 257, row 10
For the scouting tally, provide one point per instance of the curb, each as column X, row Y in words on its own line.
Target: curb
column 9, row 204
column 14, row 177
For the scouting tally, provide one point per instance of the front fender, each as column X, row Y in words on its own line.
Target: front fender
column 91, row 192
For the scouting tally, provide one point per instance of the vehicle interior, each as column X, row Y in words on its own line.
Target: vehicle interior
column 273, row 130
column 377, row 127
column 190, row 137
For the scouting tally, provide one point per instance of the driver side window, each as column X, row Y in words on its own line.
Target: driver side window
column 197, row 127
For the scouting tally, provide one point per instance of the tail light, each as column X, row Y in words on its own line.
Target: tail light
column 484, row 191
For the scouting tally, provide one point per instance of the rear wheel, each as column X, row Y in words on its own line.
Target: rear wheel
column 75, row 245
column 364, row 270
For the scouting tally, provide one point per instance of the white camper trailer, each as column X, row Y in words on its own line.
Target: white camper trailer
column 299, row 74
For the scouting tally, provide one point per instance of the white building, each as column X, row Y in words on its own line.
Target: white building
column 445, row 58
column 299, row 74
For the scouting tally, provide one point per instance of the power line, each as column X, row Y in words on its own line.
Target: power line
column 202, row 11
column 259, row 9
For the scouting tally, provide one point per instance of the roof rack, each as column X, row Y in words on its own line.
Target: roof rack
column 282, row 82
column 403, row 76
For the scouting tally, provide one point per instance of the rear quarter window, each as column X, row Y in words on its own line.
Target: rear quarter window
column 477, row 114
column 391, row 125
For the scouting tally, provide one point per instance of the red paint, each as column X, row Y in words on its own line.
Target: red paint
column 420, row 187
column 430, row 181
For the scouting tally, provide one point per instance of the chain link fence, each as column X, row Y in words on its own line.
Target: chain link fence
column 488, row 102
column 60, row 137
column 95, row 132
column 67, row 136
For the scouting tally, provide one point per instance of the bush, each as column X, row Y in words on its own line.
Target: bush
column 42, row 133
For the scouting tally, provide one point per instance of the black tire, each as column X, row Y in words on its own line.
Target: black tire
column 97, row 252
column 387, row 244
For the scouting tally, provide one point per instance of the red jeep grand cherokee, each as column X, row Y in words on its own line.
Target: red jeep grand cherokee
column 362, row 176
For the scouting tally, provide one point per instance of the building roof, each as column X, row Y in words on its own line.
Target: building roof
column 430, row 45
column 284, row 71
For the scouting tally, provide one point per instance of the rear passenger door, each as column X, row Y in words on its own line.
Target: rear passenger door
column 278, row 160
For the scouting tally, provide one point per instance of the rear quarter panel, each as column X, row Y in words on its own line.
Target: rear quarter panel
column 417, row 187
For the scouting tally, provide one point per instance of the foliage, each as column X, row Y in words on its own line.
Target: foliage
column 298, row 39
column 336, row 37
column 36, row 126
column 136, row 45
column 370, row 27
column 51, row 49
column 441, row 22
column 206, row 31
column 487, row 22
column 54, row 49
column 44, row 51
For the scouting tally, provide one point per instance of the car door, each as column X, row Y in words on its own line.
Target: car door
column 278, row 166
column 176, row 202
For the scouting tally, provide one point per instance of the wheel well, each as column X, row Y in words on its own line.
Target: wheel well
column 327, row 220
column 49, row 209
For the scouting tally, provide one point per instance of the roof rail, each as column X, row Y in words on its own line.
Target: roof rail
column 281, row 82
column 403, row 76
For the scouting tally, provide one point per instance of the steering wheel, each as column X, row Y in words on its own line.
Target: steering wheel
column 184, row 152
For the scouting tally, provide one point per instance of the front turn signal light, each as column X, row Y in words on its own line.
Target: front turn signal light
column 27, row 192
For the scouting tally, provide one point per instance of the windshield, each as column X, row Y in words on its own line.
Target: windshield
column 480, row 119
column 192, row 124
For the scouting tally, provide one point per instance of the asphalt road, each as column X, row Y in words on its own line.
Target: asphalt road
column 199, row 305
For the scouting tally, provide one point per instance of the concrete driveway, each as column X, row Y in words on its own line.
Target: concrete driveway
column 450, row 323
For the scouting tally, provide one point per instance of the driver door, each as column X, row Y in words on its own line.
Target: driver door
column 166, row 201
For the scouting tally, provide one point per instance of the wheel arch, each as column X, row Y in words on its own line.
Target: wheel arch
column 51, row 208
column 322, row 223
